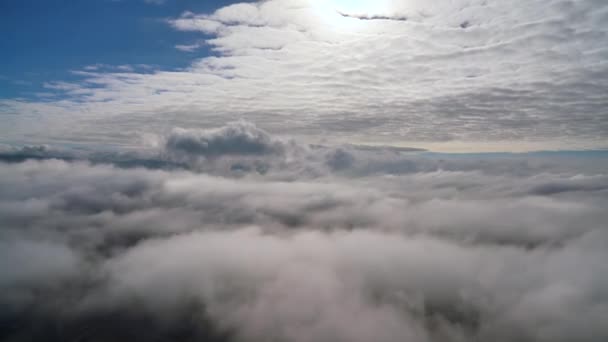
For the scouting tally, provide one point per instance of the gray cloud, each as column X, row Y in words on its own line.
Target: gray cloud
column 239, row 138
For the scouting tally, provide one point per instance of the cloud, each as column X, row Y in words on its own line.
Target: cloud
column 190, row 22
column 341, row 243
column 372, row 17
column 239, row 138
column 520, row 76
column 188, row 47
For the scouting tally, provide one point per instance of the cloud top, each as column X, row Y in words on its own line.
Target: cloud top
column 328, row 243
column 238, row 138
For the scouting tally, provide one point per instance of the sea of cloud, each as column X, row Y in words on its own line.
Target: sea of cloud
column 235, row 235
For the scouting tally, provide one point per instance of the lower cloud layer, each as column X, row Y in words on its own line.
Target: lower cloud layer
column 348, row 248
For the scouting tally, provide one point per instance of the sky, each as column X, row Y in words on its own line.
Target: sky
column 304, row 171
column 450, row 76
column 45, row 40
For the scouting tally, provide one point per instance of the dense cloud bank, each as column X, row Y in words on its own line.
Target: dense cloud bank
column 301, row 243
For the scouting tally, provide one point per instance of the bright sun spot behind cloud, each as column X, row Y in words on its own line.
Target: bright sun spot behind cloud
column 345, row 14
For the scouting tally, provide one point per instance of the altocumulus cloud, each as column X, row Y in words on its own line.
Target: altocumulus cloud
column 518, row 74
column 300, row 243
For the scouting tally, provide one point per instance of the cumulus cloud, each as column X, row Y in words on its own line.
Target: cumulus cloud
column 340, row 243
column 239, row 138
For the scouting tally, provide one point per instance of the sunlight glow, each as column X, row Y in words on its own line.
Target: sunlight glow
column 342, row 13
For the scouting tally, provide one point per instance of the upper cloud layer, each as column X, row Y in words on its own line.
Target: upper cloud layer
column 516, row 75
